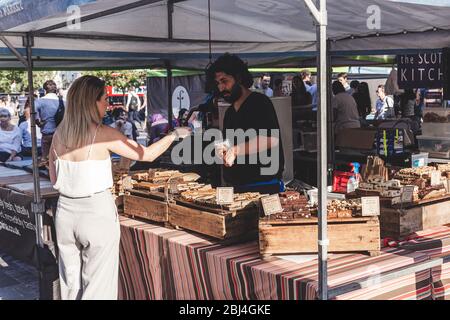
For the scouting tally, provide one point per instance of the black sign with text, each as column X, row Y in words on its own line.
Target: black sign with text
column 422, row 70
column 17, row 226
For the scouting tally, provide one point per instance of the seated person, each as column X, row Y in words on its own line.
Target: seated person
column 25, row 128
column 122, row 124
column 10, row 138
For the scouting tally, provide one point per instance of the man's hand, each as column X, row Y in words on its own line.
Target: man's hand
column 230, row 156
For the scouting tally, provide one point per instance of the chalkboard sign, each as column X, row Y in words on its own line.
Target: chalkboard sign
column 422, row 70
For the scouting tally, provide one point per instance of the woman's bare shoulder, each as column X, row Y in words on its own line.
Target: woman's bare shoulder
column 108, row 134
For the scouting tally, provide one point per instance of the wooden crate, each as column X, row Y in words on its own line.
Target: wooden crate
column 397, row 223
column 146, row 205
column 300, row 235
column 230, row 226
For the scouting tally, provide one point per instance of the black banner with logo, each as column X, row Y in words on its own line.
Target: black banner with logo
column 187, row 92
column 422, row 70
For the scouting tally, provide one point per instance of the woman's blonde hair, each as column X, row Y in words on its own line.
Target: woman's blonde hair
column 81, row 111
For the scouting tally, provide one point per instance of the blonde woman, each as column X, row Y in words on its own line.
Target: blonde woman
column 87, row 226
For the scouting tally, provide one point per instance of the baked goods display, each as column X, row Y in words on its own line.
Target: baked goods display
column 375, row 170
column 294, row 206
column 207, row 195
column 342, row 208
column 434, row 117
column 156, row 180
column 408, row 175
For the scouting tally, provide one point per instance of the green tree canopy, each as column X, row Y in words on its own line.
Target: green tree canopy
column 21, row 78
column 121, row 79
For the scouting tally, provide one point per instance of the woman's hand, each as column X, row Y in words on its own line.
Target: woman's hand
column 182, row 132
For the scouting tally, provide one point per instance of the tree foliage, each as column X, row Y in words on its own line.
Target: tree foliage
column 21, row 78
column 121, row 79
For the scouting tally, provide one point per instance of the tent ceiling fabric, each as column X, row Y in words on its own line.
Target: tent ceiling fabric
column 262, row 31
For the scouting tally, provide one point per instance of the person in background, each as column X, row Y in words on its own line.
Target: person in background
column 310, row 87
column 353, row 87
column 22, row 100
column 299, row 95
column 41, row 92
column 133, row 105
column 345, row 109
column 25, row 128
column 182, row 114
column 13, row 87
column 407, row 103
column 158, row 127
column 278, row 88
column 10, row 138
column 342, row 78
column 46, row 108
column 384, row 108
column 122, row 124
column 265, row 82
column 3, row 102
column 363, row 101
column 420, row 103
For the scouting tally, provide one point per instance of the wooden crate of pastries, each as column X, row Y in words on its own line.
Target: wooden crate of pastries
column 296, row 231
column 197, row 210
column 148, row 196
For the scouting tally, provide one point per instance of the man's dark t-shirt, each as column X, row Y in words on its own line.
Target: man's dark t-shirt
column 257, row 112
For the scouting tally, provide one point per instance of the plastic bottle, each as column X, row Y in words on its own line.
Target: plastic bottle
column 353, row 182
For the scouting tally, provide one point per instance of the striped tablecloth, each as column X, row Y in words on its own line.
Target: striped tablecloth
column 435, row 243
column 160, row 263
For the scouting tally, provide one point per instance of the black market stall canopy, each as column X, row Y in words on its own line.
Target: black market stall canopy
column 83, row 34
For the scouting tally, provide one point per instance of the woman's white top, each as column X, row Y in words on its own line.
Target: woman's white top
column 77, row 179
column 11, row 140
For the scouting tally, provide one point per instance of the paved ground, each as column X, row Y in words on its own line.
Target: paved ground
column 18, row 281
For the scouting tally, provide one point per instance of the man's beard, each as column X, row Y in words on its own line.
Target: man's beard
column 235, row 94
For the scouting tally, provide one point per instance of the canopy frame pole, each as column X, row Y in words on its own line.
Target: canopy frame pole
column 14, row 51
column 101, row 14
column 37, row 206
column 321, row 19
column 331, row 144
column 168, row 64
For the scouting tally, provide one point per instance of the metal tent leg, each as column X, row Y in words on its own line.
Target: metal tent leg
column 320, row 15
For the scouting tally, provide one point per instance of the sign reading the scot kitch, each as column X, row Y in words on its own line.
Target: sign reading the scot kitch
column 422, row 70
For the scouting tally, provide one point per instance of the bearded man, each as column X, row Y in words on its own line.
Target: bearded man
column 254, row 162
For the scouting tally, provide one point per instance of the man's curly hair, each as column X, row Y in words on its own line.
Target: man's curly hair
column 231, row 65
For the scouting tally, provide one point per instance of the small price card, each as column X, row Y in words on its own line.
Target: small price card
column 370, row 206
column 407, row 194
column 271, row 204
column 173, row 187
column 435, row 178
column 225, row 195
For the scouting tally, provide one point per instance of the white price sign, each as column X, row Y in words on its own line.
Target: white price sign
column 225, row 195
column 407, row 194
column 271, row 204
column 435, row 178
column 370, row 206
